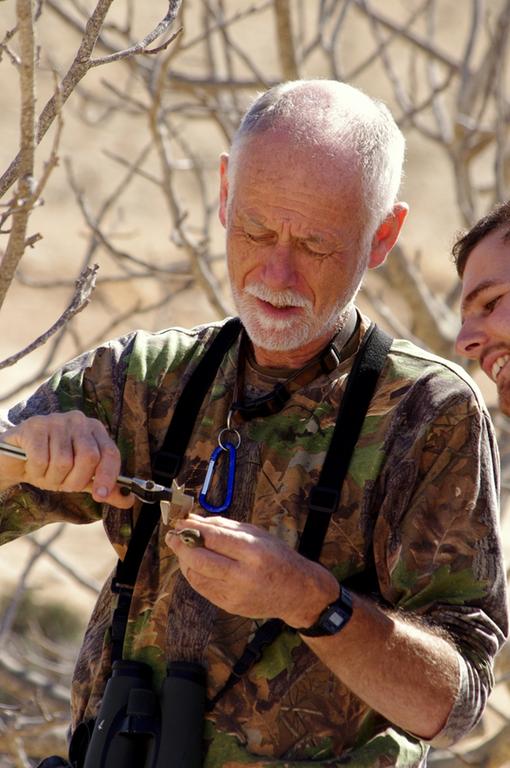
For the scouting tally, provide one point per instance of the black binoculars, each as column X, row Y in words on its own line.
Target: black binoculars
column 138, row 728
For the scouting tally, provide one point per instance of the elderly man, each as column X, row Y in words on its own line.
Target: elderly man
column 383, row 627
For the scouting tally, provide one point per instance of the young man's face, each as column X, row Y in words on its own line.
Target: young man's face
column 485, row 332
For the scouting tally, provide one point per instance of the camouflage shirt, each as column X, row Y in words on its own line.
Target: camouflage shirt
column 420, row 496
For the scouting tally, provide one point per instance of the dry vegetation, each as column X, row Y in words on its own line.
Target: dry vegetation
column 113, row 115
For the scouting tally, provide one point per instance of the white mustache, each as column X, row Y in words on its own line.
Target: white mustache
column 277, row 298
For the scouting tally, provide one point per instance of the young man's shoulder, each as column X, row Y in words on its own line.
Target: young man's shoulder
column 441, row 378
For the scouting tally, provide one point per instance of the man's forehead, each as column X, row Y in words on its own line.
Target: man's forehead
column 487, row 265
column 268, row 152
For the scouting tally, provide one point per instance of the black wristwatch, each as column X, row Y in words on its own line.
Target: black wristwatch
column 333, row 618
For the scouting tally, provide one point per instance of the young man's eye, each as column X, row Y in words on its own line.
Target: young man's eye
column 490, row 305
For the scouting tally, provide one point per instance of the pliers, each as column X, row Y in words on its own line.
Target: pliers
column 150, row 492
column 146, row 490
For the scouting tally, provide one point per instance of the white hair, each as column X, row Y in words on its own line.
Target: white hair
column 335, row 116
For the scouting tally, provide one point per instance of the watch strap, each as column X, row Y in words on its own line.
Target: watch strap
column 333, row 618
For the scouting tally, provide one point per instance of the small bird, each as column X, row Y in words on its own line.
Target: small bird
column 189, row 536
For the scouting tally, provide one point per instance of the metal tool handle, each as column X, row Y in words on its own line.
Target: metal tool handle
column 146, row 490
column 18, row 453
column 13, row 451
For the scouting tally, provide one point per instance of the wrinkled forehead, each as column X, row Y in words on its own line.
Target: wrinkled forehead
column 275, row 170
column 278, row 155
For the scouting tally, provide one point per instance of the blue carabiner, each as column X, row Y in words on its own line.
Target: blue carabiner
column 216, row 510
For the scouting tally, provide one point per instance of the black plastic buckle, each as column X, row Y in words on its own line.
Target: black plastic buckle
column 120, row 614
column 121, row 588
column 330, row 360
column 249, row 658
column 166, row 466
column 323, row 499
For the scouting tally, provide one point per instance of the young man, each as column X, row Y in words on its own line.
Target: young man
column 483, row 264
column 366, row 675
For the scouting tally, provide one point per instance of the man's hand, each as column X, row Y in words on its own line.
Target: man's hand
column 249, row 572
column 66, row 452
column 383, row 658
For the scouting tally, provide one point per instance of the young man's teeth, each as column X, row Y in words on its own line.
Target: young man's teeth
column 498, row 365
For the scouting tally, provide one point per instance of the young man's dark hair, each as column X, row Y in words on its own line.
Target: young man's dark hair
column 498, row 217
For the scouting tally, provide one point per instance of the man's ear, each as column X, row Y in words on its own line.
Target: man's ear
column 223, row 188
column 387, row 235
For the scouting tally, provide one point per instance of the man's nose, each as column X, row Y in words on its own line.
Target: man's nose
column 470, row 340
column 280, row 267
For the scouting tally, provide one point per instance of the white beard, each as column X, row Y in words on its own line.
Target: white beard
column 285, row 334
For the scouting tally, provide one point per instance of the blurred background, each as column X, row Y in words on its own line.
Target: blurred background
column 113, row 116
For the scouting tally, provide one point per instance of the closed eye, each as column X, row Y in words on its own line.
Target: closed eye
column 263, row 239
column 314, row 249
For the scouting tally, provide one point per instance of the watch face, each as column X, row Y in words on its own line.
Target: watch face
column 335, row 620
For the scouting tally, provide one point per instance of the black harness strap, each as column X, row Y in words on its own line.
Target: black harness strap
column 166, row 464
column 360, row 387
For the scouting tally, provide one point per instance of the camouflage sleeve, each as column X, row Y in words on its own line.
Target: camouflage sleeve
column 437, row 541
column 91, row 383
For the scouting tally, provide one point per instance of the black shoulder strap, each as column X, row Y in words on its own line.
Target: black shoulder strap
column 166, row 465
column 360, row 387
column 167, row 462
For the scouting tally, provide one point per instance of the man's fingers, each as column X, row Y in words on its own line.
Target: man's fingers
column 227, row 537
column 200, row 561
column 61, row 458
column 67, row 452
column 116, row 498
column 108, row 467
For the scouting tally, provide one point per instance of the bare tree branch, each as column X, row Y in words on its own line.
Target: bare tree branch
column 9, row 616
column 285, row 40
column 203, row 274
column 79, row 68
column 431, row 321
column 84, row 581
column 84, row 287
column 24, row 198
column 418, row 41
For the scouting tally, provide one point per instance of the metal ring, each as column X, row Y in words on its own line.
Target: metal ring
column 232, row 432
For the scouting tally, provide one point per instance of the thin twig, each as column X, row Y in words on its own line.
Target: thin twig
column 84, row 287
column 84, row 581
column 10, row 613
